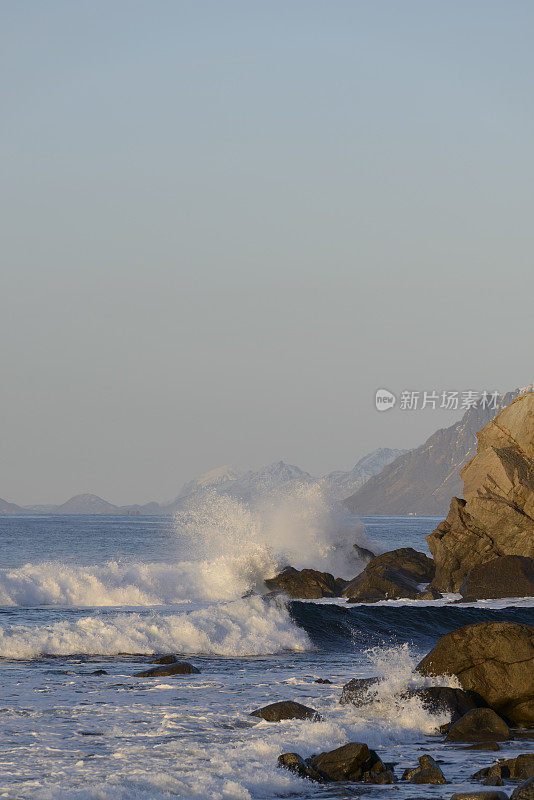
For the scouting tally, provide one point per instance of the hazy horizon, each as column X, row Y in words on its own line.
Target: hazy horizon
column 225, row 226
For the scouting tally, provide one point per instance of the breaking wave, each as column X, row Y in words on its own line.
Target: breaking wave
column 246, row 627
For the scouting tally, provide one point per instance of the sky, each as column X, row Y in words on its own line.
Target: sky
column 225, row 225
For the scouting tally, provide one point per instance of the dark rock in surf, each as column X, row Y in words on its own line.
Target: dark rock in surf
column 484, row 746
column 516, row 769
column 446, row 700
column 322, row 680
column 295, row 763
column 494, row 659
column 363, row 553
column 177, row 668
column 286, row 709
column 525, row 791
column 358, row 691
column 306, row 584
column 99, row 672
column 409, row 562
column 479, row 725
column 381, row 583
column 506, row 576
column 165, row 660
column 428, row 771
column 352, row 762
column 480, row 796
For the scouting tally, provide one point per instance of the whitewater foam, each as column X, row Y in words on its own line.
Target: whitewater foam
column 245, row 627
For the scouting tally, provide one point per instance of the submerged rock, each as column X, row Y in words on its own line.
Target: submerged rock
column 307, row 584
column 428, row 771
column 176, row 668
column 479, row 725
column 286, row 709
column 494, row 659
column 496, row 516
column 165, row 660
column 352, row 762
column 506, row 576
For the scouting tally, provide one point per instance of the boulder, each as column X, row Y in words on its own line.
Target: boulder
column 428, row 771
column 409, row 562
column 484, row 746
column 357, row 691
column 286, row 709
column 176, row 668
column 165, row 660
column 446, row 700
column 525, row 791
column 479, row 725
column 295, row 763
column 308, row 584
column 380, row 583
column 436, row 699
column 496, row 515
column 494, row 659
column 352, row 762
column 516, row 769
column 506, row 576
column 480, row 796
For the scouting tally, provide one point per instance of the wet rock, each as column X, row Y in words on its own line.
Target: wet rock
column 496, row 516
column 494, row 659
column 286, row 709
column 322, row 680
column 307, row 584
column 444, row 699
column 409, row 562
column 484, row 746
column 177, row 668
column 480, row 796
column 165, row 660
column 516, row 769
column 428, row 771
column 357, row 691
column 380, row 583
column 506, row 576
column 525, row 791
column 352, row 762
column 295, row 763
column 363, row 553
column 99, row 672
column 479, row 725
column 429, row 594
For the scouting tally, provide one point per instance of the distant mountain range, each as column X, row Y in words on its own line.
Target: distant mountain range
column 226, row 481
column 424, row 480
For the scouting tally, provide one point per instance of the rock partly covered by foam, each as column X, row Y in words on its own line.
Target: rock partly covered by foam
column 286, row 709
column 352, row 762
column 494, row 659
column 496, row 516
column 174, row 668
column 506, row 576
column 479, row 725
column 307, row 584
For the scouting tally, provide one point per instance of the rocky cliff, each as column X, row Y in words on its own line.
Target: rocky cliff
column 496, row 515
column 423, row 480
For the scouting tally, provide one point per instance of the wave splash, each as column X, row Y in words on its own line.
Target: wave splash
column 227, row 547
column 245, row 627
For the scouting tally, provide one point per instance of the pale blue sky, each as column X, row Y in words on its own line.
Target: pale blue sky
column 225, row 224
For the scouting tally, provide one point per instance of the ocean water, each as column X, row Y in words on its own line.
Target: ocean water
column 79, row 595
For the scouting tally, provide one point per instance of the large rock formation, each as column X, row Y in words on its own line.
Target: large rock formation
column 496, row 516
column 494, row 659
column 423, row 480
column 507, row 576
column 395, row 574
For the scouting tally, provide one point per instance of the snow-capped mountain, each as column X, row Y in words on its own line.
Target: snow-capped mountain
column 342, row 484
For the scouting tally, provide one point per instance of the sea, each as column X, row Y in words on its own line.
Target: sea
column 88, row 601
